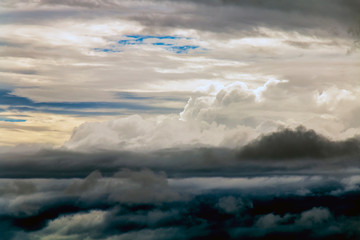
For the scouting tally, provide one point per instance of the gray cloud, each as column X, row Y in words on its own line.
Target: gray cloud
column 17, row 187
column 263, row 156
column 299, row 143
column 245, row 17
column 227, row 213
column 233, row 205
column 323, row 18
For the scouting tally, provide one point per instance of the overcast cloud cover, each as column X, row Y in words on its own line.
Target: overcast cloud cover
column 179, row 119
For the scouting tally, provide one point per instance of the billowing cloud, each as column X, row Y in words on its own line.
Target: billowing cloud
column 136, row 132
column 228, row 116
column 308, row 151
column 229, row 212
column 299, row 143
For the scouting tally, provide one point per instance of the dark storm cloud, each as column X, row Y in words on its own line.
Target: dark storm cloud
column 299, row 143
column 197, row 162
column 76, row 196
column 325, row 18
column 62, row 163
column 82, row 207
column 244, row 17
column 323, row 8
column 321, row 204
column 36, row 16
column 17, row 188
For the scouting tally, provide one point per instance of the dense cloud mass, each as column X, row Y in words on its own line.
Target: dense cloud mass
column 205, row 193
column 148, row 205
column 299, row 143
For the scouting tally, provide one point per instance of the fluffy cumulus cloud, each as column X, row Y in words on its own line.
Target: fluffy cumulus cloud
column 138, row 133
column 201, row 123
column 223, row 116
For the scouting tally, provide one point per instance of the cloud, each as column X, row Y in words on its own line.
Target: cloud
column 246, row 17
column 195, row 162
column 244, row 207
column 229, row 116
column 87, row 184
column 146, row 187
column 126, row 186
column 81, row 3
column 232, row 205
column 210, row 119
column 89, row 223
column 138, row 133
column 247, row 44
column 218, row 170
column 17, row 188
column 314, row 216
column 271, row 220
column 33, row 209
column 299, row 143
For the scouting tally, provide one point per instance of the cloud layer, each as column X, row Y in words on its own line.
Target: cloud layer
column 147, row 204
column 194, row 193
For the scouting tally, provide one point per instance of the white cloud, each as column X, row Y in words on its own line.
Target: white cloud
column 223, row 116
column 80, row 222
column 333, row 96
column 139, row 133
column 262, row 73
column 205, row 121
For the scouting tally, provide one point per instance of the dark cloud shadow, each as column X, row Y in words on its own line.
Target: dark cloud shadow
column 298, row 143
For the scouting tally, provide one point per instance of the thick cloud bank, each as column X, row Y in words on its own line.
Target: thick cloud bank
column 299, row 143
column 289, row 184
column 286, row 151
column 148, row 205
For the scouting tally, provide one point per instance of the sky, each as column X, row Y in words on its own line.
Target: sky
column 179, row 119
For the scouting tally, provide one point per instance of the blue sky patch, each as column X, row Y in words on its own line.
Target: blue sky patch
column 175, row 44
column 157, row 97
column 5, row 119
column 107, row 50
column 141, row 39
column 182, row 49
column 129, row 103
